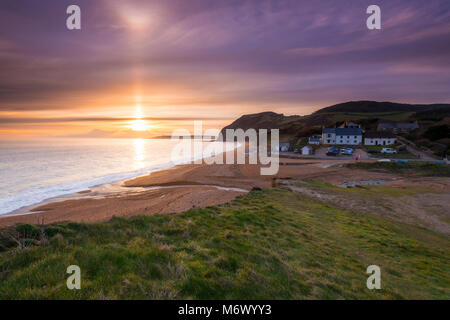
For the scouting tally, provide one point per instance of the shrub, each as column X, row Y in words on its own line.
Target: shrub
column 6, row 243
column 75, row 226
column 27, row 230
column 58, row 240
column 52, row 231
column 445, row 141
column 438, row 132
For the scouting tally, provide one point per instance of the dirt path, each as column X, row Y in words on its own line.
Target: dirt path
column 428, row 209
column 415, row 151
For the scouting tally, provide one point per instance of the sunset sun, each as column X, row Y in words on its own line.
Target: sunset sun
column 139, row 125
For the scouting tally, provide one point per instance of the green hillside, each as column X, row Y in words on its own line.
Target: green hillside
column 380, row 107
column 367, row 113
column 270, row 244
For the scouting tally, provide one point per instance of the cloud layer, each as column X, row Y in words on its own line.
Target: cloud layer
column 218, row 58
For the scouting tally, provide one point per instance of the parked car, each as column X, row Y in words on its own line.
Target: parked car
column 347, row 151
column 388, row 150
column 333, row 149
column 373, row 151
column 332, row 154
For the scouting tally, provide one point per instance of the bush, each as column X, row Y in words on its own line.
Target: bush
column 402, row 148
column 75, row 226
column 27, row 230
column 6, row 243
column 423, row 142
column 445, row 141
column 443, row 153
column 52, row 231
column 58, row 240
column 438, row 148
column 438, row 132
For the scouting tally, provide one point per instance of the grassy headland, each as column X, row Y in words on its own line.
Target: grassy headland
column 269, row 244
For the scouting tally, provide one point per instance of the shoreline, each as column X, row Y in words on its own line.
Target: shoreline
column 116, row 190
column 173, row 190
column 97, row 187
column 183, row 187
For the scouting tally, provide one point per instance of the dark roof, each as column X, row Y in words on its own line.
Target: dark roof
column 350, row 124
column 328, row 130
column 348, row 132
column 398, row 125
column 379, row 134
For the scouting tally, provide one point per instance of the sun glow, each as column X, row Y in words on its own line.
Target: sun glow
column 135, row 18
column 139, row 125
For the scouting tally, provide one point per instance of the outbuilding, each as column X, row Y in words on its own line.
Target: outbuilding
column 307, row 150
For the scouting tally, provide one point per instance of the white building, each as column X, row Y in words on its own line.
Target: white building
column 307, row 150
column 315, row 139
column 342, row 136
column 328, row 135
column 379, row 138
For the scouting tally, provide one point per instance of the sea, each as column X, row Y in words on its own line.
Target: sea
column 34, row 171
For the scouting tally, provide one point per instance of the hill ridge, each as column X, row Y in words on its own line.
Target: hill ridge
column 366, row 112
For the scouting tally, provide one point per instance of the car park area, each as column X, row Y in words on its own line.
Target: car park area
column 341, row 152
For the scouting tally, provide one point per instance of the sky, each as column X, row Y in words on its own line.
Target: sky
column 143, row 68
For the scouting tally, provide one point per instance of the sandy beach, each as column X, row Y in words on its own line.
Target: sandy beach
column 195, row 185
column 170, row 191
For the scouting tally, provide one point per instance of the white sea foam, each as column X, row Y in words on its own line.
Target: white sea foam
column 32, row 172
